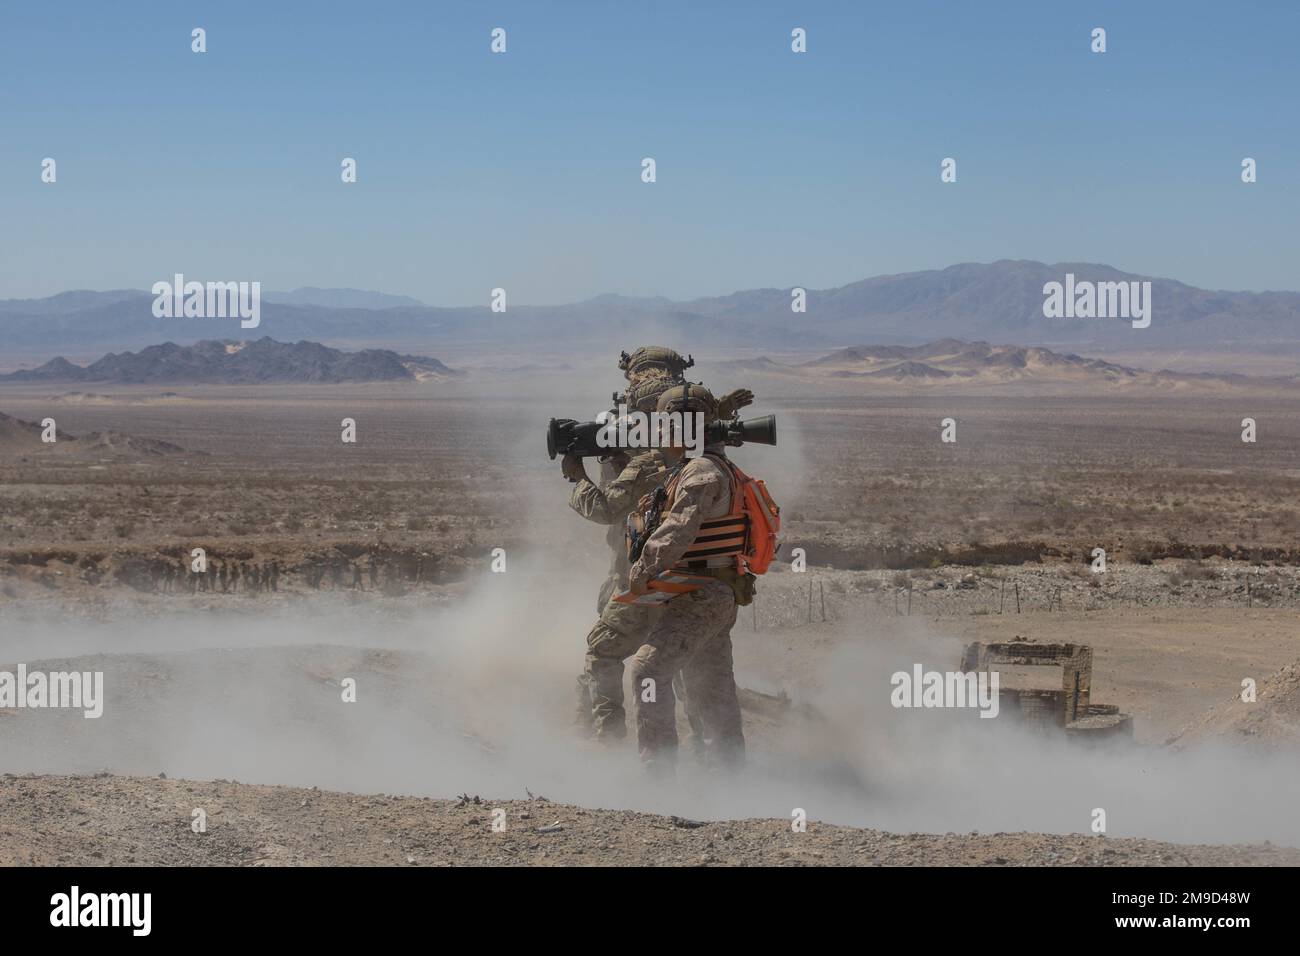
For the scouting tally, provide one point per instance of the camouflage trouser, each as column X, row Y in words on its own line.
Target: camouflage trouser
column 621, row 629
column 692, row 634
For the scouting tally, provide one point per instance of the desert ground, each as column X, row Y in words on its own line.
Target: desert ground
column 373, row 561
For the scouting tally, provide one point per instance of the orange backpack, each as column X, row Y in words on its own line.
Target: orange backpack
column 762, row 519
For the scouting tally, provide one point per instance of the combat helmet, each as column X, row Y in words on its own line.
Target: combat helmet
column 643, row 394
column 689, row 397
column 654, row 359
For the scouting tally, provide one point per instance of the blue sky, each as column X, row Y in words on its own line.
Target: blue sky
column 522, row 170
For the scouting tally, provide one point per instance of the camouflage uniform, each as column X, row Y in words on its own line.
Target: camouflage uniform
column 621, row 628
column 693, row 631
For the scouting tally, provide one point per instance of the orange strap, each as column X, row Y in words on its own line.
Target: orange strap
column 665, row 587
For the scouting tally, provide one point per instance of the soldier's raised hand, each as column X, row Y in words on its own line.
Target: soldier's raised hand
column 734, row 401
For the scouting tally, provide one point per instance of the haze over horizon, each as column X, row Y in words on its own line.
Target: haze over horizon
column 350, row 296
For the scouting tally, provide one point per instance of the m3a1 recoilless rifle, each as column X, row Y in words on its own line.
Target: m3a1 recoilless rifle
column 564, row 436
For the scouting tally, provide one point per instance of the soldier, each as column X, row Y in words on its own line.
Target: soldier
column 693, row 631
column 622, row 628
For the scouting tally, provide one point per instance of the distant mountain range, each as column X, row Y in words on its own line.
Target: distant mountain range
column 342, row 299
column 995, row 301
column 232, row 362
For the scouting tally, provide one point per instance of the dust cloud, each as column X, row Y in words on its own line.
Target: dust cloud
column 478, row 698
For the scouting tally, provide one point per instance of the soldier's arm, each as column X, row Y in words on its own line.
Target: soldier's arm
column 589, row 501
column 698, row 491
column 614, row 500
column 624, row 490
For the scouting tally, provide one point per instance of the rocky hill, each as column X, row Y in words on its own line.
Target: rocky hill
column 230, row 362
column 953, row 361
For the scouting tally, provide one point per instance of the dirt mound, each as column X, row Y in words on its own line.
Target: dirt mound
column 100, row 399
column 118, row 443
column 18, row 437
column 1271, row 721
column 82, row 398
